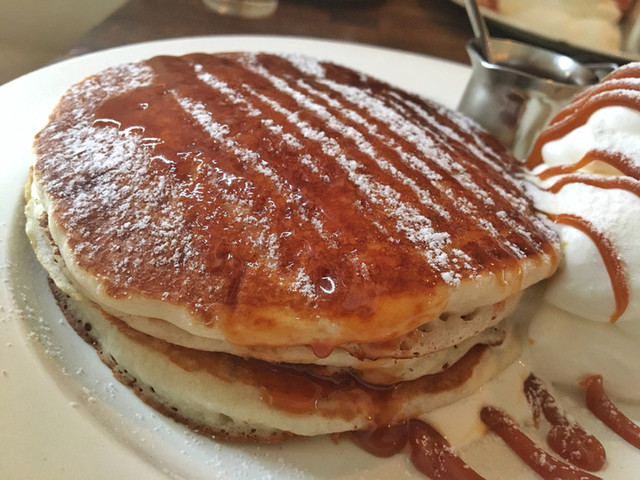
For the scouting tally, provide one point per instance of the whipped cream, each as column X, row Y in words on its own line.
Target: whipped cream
column 581, row 328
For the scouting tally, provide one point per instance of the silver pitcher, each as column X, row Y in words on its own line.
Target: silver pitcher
column 516, row 96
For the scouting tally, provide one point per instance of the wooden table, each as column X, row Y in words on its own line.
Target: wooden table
column 434, row 27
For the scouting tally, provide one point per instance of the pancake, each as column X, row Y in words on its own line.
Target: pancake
column 238, row 399
column 262, row 212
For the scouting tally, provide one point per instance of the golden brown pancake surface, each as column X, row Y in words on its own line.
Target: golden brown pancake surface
column 278, row 200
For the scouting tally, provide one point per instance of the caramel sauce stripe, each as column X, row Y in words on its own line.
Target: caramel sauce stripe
column 406, row 217
column 373, row 128
column 249, row 160
column 277, row 131
column 609, row 253
column 496, row 193
column 274, row 111
column 614, row 84
column 271, row 220
column 415, row 226
column 624, row 183
column 623, row 92
column 332, row 151
column 359, row 99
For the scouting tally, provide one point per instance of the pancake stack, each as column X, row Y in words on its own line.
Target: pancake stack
column 266, row 246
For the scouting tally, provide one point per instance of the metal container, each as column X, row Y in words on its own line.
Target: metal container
column 516, row 96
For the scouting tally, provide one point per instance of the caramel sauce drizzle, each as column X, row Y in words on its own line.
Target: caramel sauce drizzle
column 614, row 159
column 605, row 410
column 613, row 91
column 431, row 454
column 322, row 350
column 566, row 437
column 613, row 263
column 621, row 88
column 607, row 250
column 622, row 183
column 541, row 462
column 384, row 441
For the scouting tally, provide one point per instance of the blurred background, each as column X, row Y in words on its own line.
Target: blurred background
column 36, row 32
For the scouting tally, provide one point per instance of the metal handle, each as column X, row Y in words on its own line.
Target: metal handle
column 480, row 29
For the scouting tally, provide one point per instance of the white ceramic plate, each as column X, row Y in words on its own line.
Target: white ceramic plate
column 63, row 415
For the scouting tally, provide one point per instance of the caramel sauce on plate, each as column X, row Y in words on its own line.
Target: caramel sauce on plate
column 603, row 408
column 545, row 465
column 566, row 437
column 432, row 455
column 430, row 451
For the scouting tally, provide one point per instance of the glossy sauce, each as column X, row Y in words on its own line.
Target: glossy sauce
column 566, row 437
column 297, row 389
column 236, row 183
column 540, row 461
column 432, row 455
column 321, row 350
column 603, row 408
column 430, row 451
column 623, row 183
column 625, row 165
column 303, row 389
column 383, row 441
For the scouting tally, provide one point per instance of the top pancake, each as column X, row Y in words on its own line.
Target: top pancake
column 278, row 200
